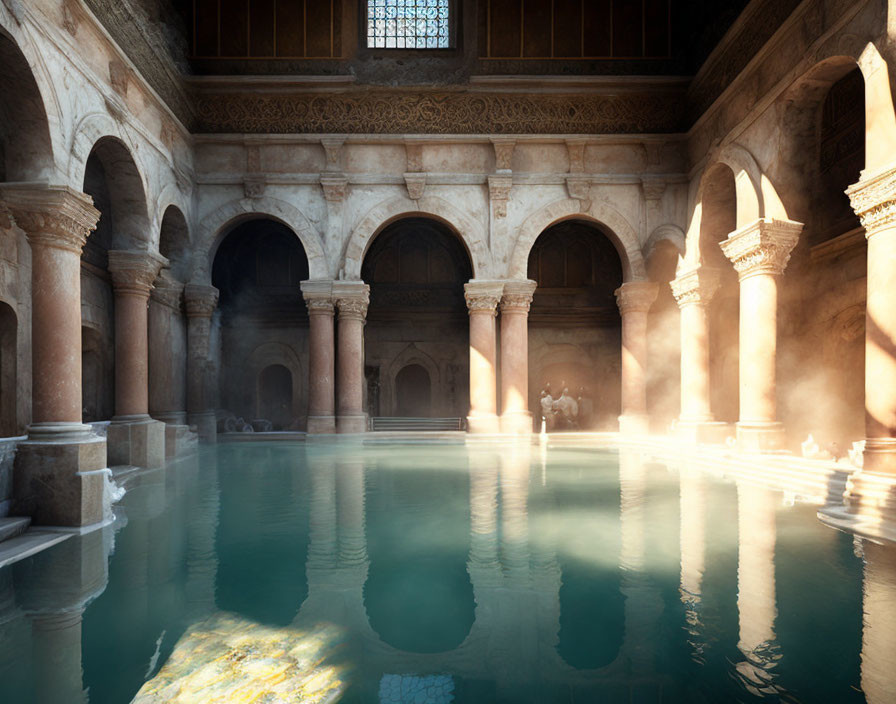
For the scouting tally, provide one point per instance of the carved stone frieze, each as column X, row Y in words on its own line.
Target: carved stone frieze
column 439, row 112
column 763, row 247
column 499, row 193
column 874, row 201
column 52, row 216
column 200, row 301
column 416, row 183
column 636, row 296
column 695, row 287
column 133, row 272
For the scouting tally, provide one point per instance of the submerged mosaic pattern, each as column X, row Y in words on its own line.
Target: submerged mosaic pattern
column 408, row 24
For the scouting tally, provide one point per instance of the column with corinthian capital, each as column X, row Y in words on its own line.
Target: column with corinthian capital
column 321, row 357
column 134, row 438
column 515, row 301
column 634, row 299
column 352, row 298
column 760, row 252
column 200, row 302
column 59, row 470
column 482, row 300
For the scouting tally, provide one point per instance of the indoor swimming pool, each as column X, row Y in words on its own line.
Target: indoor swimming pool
column 449, row 573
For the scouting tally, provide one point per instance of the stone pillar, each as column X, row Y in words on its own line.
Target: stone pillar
column 134, row 438
column 693, row 291
column 200, row 302
column 351, row 299
column 760, row 252
column 321, row 357
column 634, row 299
column 58, row 477
column 515, row 415
column 482, row 299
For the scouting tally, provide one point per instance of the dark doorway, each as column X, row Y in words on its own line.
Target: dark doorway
column 275, row 396
column 413, row 392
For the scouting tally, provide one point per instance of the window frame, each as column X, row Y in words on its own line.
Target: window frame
column 453, row 35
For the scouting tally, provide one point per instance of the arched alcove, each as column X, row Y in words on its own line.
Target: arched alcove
column 275, row 396
column 413, row 392
column 577, row 269
column 416, row 269
column 174, row 243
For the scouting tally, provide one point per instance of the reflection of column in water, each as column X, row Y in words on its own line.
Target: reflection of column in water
column 350, row 493
column 56, row 645
column 643, row 605
column 514, row 512
column 756, row 604
column 202, row 528
column 693, row 554
column 879, row 627
column 546, row 578
column 322, row 514
column 483, row 513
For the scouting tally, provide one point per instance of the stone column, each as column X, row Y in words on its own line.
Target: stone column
column 693, row 291
column 134, row 438
column 200, row 302
column 351, row 299
column 515, row 415
column 58, row 477
column 482, row 300
column 634, row 299
column 760, row 252
column 321, row 357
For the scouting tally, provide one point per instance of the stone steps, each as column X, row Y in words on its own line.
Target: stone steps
column 13, row 527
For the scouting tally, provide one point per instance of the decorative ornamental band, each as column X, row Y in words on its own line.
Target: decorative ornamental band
column 763, row 247
column 52, row 216
column 352, row 308
column 319, row 305
column 874, row 201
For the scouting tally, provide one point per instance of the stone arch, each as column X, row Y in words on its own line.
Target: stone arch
column 271, row 353
column 471, row 233
column 670, row 233
column 409, row 355
column 617, row 228
column 171, row 195
column 217, row 224
column 34, row 153
column 90, row 130
column 174, row 242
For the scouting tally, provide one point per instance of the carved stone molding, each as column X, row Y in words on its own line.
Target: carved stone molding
column 439, row 112
column 52, row 216
column 333, row 151
column 579, row 187
column 133, row 272
column 499, row 193
column 763, row 247
column 636, row 296
column 653, row 187
column 416, row 184
column 517, row 296
column 200, row 301
column 874, row 201
column 254, row 185
column 482, row 297
column 575, row 149
column 334, row 187
column 318, row 297
column 414, row 154
column 503, row 154
column 168, row 292
column 352, row 299
column 695, row 287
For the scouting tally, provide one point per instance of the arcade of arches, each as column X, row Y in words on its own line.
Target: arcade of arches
column 189, row 248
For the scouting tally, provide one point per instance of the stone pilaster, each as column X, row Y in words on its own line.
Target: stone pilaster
column 515, row 301
column 133, row 438
column 634, row 300
column 760, row 252
column 482, row 300
column 352, row 299
column 693, row 290
column 200, row 302
column 321, row 357
column 59, row 471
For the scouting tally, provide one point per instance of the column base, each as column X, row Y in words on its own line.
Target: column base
column 172, row 418
column 351, row 424
column 60, row 482
column 484, row 424
column 321, row 425
column 760, row 437
column 206, row 423
column 139, row 442
column 517, row 423
column 704, row 432
column 634, row 425
column 869, row 506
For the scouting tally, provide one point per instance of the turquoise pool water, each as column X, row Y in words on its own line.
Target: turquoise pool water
column 447, row 573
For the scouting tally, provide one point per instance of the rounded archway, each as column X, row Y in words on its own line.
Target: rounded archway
column 258, row 269
column 416, row 268
column 574, row 322
column 413, row 392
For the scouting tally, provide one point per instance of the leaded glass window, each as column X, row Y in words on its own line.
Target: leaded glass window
column 408, row 24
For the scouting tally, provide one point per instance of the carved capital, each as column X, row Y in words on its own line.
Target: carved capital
column 874, row 201
column 318, row 297
column 483, row 296
column 200, row 301
column 499, row 193
column 168, row 291
column 763, row 247
column 334, row 187
column 636, row 296
column 503, row 153
column 517, row 296
column 352, row 299
column 134, row 272
column 52, row 216
column 416, row 183
column 696, row 286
